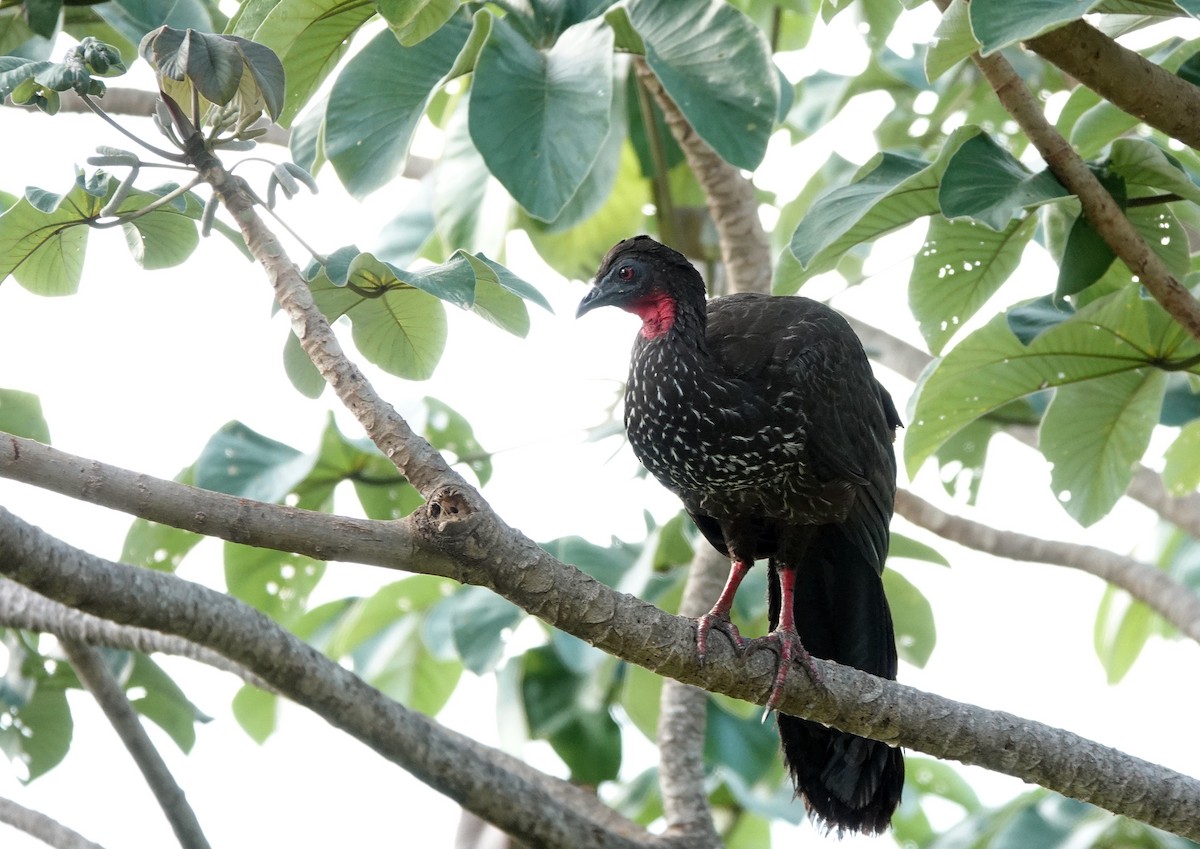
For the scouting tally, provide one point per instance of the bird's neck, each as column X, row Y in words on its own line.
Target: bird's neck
column 665, row 316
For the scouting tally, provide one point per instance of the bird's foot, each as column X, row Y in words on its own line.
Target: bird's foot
column 719, row 622
column 786, row 643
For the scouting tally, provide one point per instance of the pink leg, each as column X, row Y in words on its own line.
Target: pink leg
column 718, row 617
column 787, row 640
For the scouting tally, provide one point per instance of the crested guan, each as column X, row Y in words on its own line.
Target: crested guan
column 762, row 414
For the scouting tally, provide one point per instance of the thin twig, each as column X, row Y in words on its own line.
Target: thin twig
column 21, row 607
column 90, row 667
column 39, row 826
column 173, row 156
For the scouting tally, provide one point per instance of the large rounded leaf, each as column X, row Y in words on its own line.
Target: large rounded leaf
column 540, row 118
column 378, row 100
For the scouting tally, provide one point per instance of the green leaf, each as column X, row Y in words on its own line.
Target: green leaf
column 1181, row 474
column 999, row 23
column 257, row 711
column 42, row 16
column 1086, row 258
column 641, row 693
column 908, row 548
column 447, row 430
column 134, row 18
column 413, row 21
column 540, row 118
column 572, row 252
column 46, row 729
column 42, row 243
column 1123, row 625
column 163, row 702
column 300, row 369
column 309, row 36
column 985, row 182
column 952, row 42
column 160, row 239
column 1095, row 433
column 912, row 615
column 1118, row 333
column 471, row 209
column 240, row 461
column 478, row 619
column 395, row 326
column 21, row 415
column 276, row 582
column 377, row 101
column 887, row 193
column 1141, row 162
column 716, row 66
column 746, row 745
column 959, row 267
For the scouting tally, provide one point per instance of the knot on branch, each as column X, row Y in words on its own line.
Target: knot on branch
column 446, row 507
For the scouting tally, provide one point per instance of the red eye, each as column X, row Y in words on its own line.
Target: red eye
column 625, row 272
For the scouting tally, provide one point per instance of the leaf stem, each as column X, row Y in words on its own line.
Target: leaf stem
column 165, row 154
column 178, row 191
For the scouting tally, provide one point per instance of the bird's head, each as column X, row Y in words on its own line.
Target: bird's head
column 648, row 279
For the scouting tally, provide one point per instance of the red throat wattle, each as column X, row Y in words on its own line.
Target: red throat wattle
column 657, row 313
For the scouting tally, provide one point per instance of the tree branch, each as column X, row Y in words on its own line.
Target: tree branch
column 1162, row 593
column 20, row 607
column 1124, row 78
column 38, row 825
column 534, row 807
column 485, row 552
column 745, row 250
column 682, row 719
column 1098, row 205
column 94, row 674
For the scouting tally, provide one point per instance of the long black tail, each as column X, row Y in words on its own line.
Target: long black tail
column 849, row 783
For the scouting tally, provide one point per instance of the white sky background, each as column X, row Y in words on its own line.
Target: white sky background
column 139, row 370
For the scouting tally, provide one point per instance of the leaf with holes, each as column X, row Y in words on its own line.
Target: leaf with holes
column 1094, row 433
column 960, row 266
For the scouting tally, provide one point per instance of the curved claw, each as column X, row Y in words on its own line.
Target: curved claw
column 715, row 621
column 786, row 642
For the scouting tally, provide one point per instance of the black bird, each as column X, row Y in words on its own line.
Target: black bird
column 762, row 414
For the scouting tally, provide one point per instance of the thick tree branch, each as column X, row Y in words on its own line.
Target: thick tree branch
column 539, row 809
column 682, row 720
column 1126, row 79
column 1099, row 207
column 38, row 825
column 1163, row 594
column 731, row 202
column 486, row 552
column 22, row 608
column 89, row 666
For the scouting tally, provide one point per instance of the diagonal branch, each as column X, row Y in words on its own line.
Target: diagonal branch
column 38, row 825
column 730, row 196
column 1099, row 207
column 1124, row 78
column 537, row 808
column 484, row 551
column 22, row 608
column 1162, row 593
column 89, row 666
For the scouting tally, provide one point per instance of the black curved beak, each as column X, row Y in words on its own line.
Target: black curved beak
column 607, row 292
